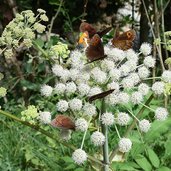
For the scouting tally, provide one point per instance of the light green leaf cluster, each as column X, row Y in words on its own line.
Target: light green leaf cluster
column 59, row 50
column 20, row 32
column 30, row 114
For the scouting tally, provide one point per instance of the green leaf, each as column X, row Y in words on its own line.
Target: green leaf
column 122, row 166
column 163, row 168
column 67, row 159
column 143, row 163
column 70, row 166
column 153, row 158
column 40, row 42
column 29, row 85
column 79, row 169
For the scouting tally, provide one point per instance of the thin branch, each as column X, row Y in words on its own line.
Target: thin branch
column 114, row 152
column 85, row 8
column 53, row 19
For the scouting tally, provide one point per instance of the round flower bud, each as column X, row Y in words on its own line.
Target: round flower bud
column 161, row 114
column 123, row 98
column 97, row 138
column 115, row 54
column 149, row 62
column 74, row 73
column 123, row 119
column 125, row 145
column 112, row 99
column 145, row 49
column 158, row 87
column 70, row 88
column 134, row 77
column 46, row 90
column 81, row 124
column 124, row 69
column 62, row 105
column 127, row 83
column 45, row 117
column 3, row 92
column 136, row 97
column 89, row 109
column 79, row 156
column 144, row 125
column 166, row 76
column 131, row 55
column 60, row 88
column 107, row 65
column 143, row 72
column 83, row 89
column 107, row 119
column 75, row 104
column 65, row 75
column 143, row 89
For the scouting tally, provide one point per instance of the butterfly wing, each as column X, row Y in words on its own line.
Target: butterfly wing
column 100, row 95
column 84, row 39
column 103, row 32
column 124, row 41
column 95, row 50
column 64, row 122
column 89, row 28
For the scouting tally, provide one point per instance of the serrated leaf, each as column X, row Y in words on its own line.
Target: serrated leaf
column 153, row 158
column 143, row 163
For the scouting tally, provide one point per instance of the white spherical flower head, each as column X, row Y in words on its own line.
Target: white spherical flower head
column 161, row 114
column 89, row 109
column 116, row 54
column 115, row 74
column 123, row 98
column 131, row 55
column 135, row 77
column 83, row 78
column 81, row 124
column 75, row 104
column 71, row 88
column 125, row 145
column 97, row 138
column 60, row 88
column 107, row 65
column 57, row 70
column 143, row 72
column 65, row 134
column 158, row 87
column 113, row 85
column 83, row 89
column 74, row 73
column 65, row 75
column 46, row 90
column 62, row 105
column 166, row 76
column 143, row 89
column 112, row 99
column 79, row 156
column 123, row 119
column 45, row 117
column 136, row 97
column 76, row 53
column 107, row 119
column 127, row 83
column 132, row 64
column 124, row 69
column 94, row 91
column 149, row 62
column 144, row 125
column 145, row 49
column 98, row 75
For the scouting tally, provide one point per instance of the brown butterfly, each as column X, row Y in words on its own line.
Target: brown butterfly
column 63, row 122
column 100, row 95
column 95, row 50
column 92, row 31
column 125, row 40
column 84, row 39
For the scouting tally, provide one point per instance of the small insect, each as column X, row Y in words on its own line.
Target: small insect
column 63, row 122
column 125, row 40
column 100, row 95
column 95, row 50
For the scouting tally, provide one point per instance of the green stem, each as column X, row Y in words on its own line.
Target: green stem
column 37, row 128
column 115, row 151
column 105, row 146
